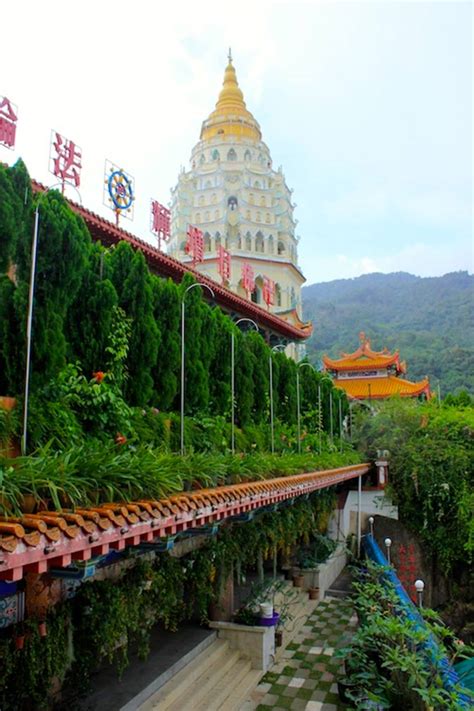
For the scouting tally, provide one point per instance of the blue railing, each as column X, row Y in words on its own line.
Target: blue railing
column 451, row 681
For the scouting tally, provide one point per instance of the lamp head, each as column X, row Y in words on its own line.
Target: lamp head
column 419, row 586
column 388, row 542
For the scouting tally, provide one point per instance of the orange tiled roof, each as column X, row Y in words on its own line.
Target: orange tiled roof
column 34, row 542
column 376, row 388
column 363, row 358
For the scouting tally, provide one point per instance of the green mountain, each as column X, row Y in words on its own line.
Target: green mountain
column 429, row 320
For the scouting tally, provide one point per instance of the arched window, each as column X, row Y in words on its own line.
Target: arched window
column 207, row 242
column 216, row 214
column 208, row 184
column 198, row 218
column 239, row 244
column 207, row 216
column 231, row 155
column 247, row 155
column 247, row 215
column 252, row 199
column 201, row 200
column 215, row 154
column 259, row 216
column 256, row 184
column 293, row 298
column 262, row 200
column 248, row 242
column 281, row 247
column 259, row 243
column 218, row 240
column 213, row 198
column 271, row 245
column 267, row 218
column 257, row 294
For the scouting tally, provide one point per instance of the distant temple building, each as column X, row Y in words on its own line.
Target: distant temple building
column 241, row 205
column 373, row 375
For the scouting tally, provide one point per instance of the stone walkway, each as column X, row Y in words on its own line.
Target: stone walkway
column 305, row 678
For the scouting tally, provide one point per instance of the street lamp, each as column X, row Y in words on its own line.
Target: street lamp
column 279, row 346
column 298, row 403
column 371, row 524
column 191, row 286
column 232, row 377
column 419, row 587
column 388, row 543
column 29, row 320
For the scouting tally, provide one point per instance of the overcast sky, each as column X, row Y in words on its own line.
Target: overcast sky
column 366, row 105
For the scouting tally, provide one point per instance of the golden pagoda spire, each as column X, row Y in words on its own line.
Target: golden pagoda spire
column 231, row 116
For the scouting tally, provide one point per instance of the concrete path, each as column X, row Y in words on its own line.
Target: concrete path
column 305, row 677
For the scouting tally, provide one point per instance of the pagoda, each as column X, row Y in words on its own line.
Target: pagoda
column 373, row 375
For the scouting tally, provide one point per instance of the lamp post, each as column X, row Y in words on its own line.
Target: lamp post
column 29, row 319
column 270, row 363
column 298, row 403
column 331, row 424
column 371, row 524
column 388, row 544
column 232, row 377
column 191, row 286
column 419, row 587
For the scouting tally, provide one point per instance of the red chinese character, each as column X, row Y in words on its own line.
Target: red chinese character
column 224, row 264
column 66, row 164
column 8, row 119
column 160, row 221
column 248, row 281
column 268, row 291
column 195, row 244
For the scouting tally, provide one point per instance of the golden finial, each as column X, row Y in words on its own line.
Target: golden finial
column 229, row 56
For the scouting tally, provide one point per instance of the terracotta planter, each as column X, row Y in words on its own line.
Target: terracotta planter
column 42, row 629
column 20, row 641
column 298, row 581
column 313, row 593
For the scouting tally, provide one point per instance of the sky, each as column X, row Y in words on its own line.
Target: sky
column 366, row 105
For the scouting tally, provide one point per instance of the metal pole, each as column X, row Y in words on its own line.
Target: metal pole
column 271, row 404
column 330, row 417
column 359, row 514
column 232, row 388
column 29, row 320
column 29, row 323
column 182, row 377
column 298, row 408
column 191, row 286
column 232, row 378
column 340, row 425
column 320, row 420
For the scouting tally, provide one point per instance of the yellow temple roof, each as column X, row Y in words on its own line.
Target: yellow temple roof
column 364, row 358
column 377, row 388
column 231, row 116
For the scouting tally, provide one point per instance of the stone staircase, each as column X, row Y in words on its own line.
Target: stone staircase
column 218, row 679
column 221, row 678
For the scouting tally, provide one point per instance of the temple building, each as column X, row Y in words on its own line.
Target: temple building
column 242, row 207
column 373, row 375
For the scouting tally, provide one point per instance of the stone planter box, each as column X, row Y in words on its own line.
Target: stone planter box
column 255, row 643
column 325, row 574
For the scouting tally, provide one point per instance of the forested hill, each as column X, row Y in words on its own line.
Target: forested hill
column 429, row 320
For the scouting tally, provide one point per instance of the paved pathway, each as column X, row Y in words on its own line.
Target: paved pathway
column 305, row 678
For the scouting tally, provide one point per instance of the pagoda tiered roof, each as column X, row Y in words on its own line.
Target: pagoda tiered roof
column 380, row 388
column 364, row 358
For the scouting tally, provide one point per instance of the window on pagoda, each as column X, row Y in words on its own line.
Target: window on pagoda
column 259, row 243
column 247, row 155
column 281, row 247
column 262, row 200
column 248, row 242
column 215, row 154
column 277, row 295
column 207, row 242
column 231, row 155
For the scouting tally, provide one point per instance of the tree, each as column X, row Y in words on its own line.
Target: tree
column 220, row 365
column 133, row 283
column 165, row 372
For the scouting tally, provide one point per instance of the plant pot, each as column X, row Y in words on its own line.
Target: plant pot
column 266, row 608
column 278, row 638
column 269, row 621
column 298, row 581
column 342, row 688
column 42, row 629
column 313, row 593
column 20, row 641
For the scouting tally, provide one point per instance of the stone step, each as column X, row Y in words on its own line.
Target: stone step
column 186, row 677
column 198, row 694
column 237, row 697
column 226, row 685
